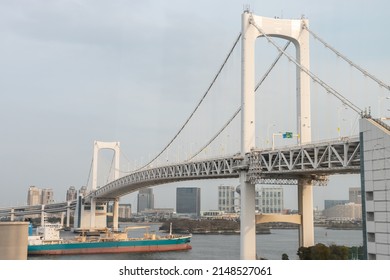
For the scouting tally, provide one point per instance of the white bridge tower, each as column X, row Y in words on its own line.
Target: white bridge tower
column 97, row 213
column 253, row 27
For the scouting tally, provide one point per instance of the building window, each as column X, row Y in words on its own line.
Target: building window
column 371, row 237
column 371, row 257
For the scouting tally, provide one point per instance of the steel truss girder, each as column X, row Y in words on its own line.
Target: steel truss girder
column 207, row 169
column 316, row 180
column 285, row 166
column 311, row 160
column 314, row 162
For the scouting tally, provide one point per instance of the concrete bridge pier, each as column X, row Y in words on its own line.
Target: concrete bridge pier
column 43, row 215
column 247, row 220
column 68, row 215
column 12, row 217
column 305, row 209
column 115, row 214
column 92, row 216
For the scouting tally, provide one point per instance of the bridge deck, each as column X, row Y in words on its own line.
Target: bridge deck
column 282, row 166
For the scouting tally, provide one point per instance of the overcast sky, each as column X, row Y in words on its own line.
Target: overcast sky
column 72, row 72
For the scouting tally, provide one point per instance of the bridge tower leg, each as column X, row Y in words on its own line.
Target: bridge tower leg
column 42, row 215
column 68, row 214
column 12, row 217
column 305, row 209
column 247, row 216
column 253, row 27
column 115, row 213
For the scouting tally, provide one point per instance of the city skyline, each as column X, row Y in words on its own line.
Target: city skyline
column 147, row 197
column 72, row 74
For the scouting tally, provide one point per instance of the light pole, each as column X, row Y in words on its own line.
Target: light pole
column 339, row 109
column 268, row 128
column 273, row 139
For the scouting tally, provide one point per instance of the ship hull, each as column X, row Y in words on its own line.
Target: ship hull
column 110, row 247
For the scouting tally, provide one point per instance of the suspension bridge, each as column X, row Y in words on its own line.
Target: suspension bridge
column 305, row 164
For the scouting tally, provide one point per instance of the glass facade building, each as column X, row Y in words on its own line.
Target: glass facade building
column 188, row 201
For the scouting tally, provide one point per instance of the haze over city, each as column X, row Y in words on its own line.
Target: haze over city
column 73, row 72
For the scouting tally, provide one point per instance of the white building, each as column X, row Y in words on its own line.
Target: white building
column 36, row 196
column 71, row 194
column 349, row 211
column 124, row 211
column 159, row 213
column 33, row 196
column 47, row 196
column 375, row 142
column 269, row 199
column 226, row 199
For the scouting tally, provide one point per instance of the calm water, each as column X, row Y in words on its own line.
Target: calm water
column 227, row 247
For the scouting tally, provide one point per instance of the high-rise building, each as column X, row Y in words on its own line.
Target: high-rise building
column 188, row 201
column 348, row 211
column 355, row 195
column 145, row 200
column 83, row 191
column 36, row 196
column 33, row 196
column 226, row 199
column 124, row 211
column 329, row 203
column 269, row 200
column 47, row 196
column 71, row 194
column 375, row 184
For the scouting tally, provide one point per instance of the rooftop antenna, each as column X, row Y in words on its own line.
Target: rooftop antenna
column 247, row 8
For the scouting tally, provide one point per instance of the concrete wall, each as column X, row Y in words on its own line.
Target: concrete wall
column 376, row 187
column 13, row 240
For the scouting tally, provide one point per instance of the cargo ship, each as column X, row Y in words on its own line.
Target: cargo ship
column 48, row 242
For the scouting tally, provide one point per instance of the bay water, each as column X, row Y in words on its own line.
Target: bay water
column 227, row 247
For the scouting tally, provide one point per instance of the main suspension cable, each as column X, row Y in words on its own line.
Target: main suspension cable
column 197, row 106
column 89, row 173
column 239, row 109
column 364, row 72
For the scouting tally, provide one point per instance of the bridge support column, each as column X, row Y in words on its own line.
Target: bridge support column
column 247, row 217
column 62, row 218
column 115, row 214
column 305, row 208
column 68, row 215
column 247, row 220
column 43, row 215
column 12, row 218
column 92, row 214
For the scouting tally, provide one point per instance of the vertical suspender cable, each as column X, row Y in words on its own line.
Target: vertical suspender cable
column 197, row 106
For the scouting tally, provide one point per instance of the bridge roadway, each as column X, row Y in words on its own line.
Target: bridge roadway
column 315, row 161
column 20, row 211
column 283, row 166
